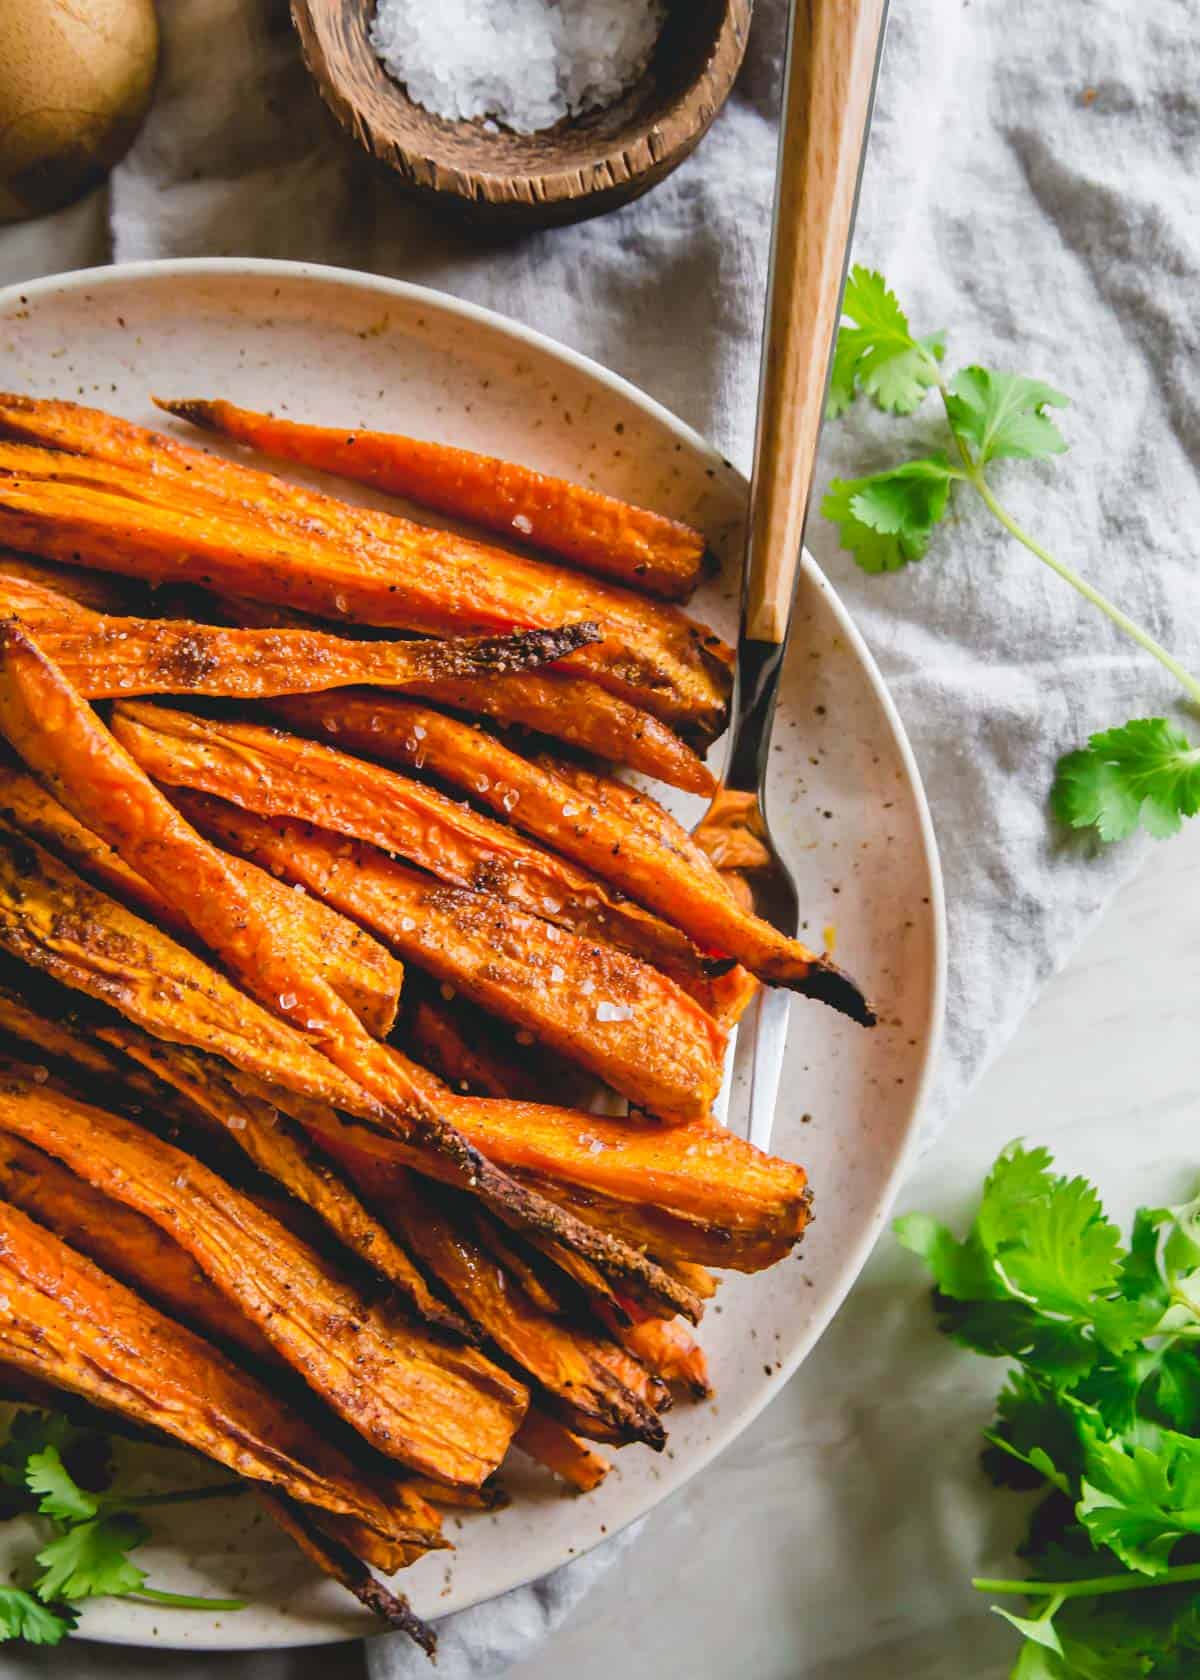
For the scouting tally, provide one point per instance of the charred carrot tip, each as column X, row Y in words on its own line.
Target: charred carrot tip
column 196, row 410
column 832, row 985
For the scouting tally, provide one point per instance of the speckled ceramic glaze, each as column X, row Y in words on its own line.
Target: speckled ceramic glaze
column 846, row 803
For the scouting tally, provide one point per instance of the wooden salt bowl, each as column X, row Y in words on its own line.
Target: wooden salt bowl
column 582, row 167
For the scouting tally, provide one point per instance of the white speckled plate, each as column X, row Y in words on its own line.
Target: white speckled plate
column 343, row 348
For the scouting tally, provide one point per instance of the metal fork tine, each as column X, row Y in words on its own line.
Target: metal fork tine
column 720, row 1108
column 770, row 1042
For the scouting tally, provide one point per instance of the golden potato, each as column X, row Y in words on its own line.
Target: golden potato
column 75, row 80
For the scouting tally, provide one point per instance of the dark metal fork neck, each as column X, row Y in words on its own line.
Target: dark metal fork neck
column 758, row 671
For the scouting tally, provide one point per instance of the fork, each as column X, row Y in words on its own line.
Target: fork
column 831, row 68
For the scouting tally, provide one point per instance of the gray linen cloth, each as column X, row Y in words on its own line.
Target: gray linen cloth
column 1031, row 186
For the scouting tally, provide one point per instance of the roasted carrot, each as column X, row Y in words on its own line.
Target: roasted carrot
column 676, row 1243
column 460, row 1049
column 582, row 714
column 555, row 703
column 276, row 1148
column 756, row 1206
column 64, row 1321
column 281, row 775
column 98, row 591
column 362, row 972
column 634, row 805
column 614, row 1015
column 657, row 872
column 69, row 931
column 106, row 656
column 447, row 1412
column 668, row 1348
column 350, row 563
column 123, row 1243
column 336, row 1559
column 574, row 1370
column 549, row 1442
column 583, row 526
column 695, row 1191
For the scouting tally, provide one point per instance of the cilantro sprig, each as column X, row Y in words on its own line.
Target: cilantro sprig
column 1100, row 1413
column 59, row 1471
column 1145, row 773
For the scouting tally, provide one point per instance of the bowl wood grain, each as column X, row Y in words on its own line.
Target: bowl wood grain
column 582, row 167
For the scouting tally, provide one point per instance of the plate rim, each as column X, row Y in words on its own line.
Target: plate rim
column 857, row 1253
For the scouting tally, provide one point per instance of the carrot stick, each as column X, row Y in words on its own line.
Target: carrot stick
column 448, row 1412
column 362, row 972
column 123, row 1243
column 667, row 1347
column 616, row 1016
column 336, row 1559
column 582, row 714
column 64, row 1321
column 60, row 925
column 599, row 1398
column 106, row 657
column 549, row 1442
column 655, row 872
column 341, row 562
column 585, row 527
column 556, row 703
column 275, row 1148
column 281, row 775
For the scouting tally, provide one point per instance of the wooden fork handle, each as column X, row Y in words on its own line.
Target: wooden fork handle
column 832, row 59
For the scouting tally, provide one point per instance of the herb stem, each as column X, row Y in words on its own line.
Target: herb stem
column 1089, row 593
column 184, row 1496
column 183, row 1601
column 1100, row 1586
column 974, row 475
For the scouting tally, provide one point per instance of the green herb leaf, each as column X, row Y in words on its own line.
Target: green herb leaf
column 887, row 519
column 1141, row 1494
column 1004, row 414
column 60, row 1495
column 960, row 1269
column 1039, row 1629
column 1036, row 1426
column 879, row 354
column 1146, row 772
column 23, row 1617
column 89, row 1561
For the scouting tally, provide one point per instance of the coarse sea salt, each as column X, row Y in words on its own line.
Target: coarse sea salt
column 524, row 63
